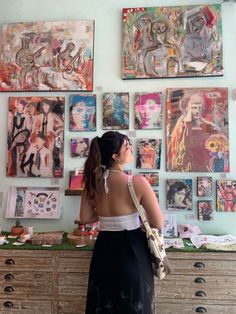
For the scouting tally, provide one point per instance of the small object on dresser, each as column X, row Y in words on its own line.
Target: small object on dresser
column 17, row 229
column 47, row 238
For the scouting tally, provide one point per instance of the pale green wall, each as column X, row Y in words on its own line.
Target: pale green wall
column 107, row 16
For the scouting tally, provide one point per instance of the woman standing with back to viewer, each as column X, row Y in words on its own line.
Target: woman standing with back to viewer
column 120, row 278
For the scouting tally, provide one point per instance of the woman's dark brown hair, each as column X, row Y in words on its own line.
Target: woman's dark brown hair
column 99, row 159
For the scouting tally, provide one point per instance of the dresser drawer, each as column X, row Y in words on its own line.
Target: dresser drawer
column 18, row 306
column 71, row 306
column 197, row 287
column 211, row 265
column 73, row 279
column 72, row 262
column 186, row 307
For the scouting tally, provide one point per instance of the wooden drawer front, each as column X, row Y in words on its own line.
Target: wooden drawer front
column 73, row 264
column 15, row 276
column 201, row 266
column 72, row 291
column 169, row 307
column 34, row 264
column 25, row 306
column 197, row 287
column 31, row 289
column 73, row 279
column 72, row 306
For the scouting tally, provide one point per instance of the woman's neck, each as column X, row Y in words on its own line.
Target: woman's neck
column 116, row 169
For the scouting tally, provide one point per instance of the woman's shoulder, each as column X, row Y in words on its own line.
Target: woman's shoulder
column 140, row 181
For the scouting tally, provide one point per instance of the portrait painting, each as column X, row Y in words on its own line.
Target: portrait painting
column 47, row 56
column 204, row 186
column 179, row 194
column 115, row 111
column 82, row 113
column 205, row 210
column 35, row 137
column 79, row 147
column 148, row 111
column 226, row 195
column 197, row 134
column 33, row 202
column 148, row 153
column 152, row 177
column 173, row 41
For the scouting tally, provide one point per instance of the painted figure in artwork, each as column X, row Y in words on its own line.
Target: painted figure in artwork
column 227, row 191
column 190, row 142
column 26, row 60
column 179, row 196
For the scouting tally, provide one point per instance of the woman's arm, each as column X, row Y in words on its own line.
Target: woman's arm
column 88, row 213
column 149, row 202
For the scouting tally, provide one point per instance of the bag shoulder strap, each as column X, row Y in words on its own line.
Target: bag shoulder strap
column 137, row 204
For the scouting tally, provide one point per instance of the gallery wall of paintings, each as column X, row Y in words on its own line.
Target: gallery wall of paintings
column 157, row 74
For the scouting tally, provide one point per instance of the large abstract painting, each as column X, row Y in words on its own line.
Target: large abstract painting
column 35, row 137
column 181, row 41
column 47, row 56
column 197, row 136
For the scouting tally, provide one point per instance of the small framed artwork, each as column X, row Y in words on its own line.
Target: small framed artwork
column 226, row 196
column 76, row 180
column 179, row 194
column 152, row 177
column 115, row 111
column 47, row 56
column 205, row 210
column 170, row 226
column 82, row 113
column 79, row 147
column 33, row 202
column 148, row 153
column 148, row 111
column 204, row 186
column 157, row 194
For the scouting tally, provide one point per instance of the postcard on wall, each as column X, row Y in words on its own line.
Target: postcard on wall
column 179, row 194
column 148, row 111
column 35, row 137
column 197, row 133
column 170, row 226
column 204, row 186
column 152, row 177
column 33, row 202
column 82, row 113
column 205, row 210
column 148, row 153
column 79, row 147
column 76, row 180
column 226, row 195
column 115, row 111
column 179, row 41
column 47, row 56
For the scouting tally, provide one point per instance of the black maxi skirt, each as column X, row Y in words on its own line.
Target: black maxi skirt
column 120, row 279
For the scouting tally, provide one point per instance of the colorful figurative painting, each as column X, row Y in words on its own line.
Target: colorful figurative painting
column 204, row 186
column 152, row 177
column 79, row 147
column 46, row 56
column 205, row 210
column 35, row 137
column 179, row 194
column 197, row 135
column 180, row 41
column 226, row 196
column 148, row 111
column 148, row 153
column 82, row 112
column 115, row 111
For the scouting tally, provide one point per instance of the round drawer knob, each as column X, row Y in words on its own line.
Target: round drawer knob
column 200, row 309
column 8, row 304
column 199, row 265
column 199, row 280
column 200, row 293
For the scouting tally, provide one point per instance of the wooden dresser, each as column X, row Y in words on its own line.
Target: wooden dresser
column 55, row 282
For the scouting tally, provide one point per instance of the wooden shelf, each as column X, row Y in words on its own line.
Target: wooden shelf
column 73, row 192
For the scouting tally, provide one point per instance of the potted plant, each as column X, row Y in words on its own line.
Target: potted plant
column 17, row 229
